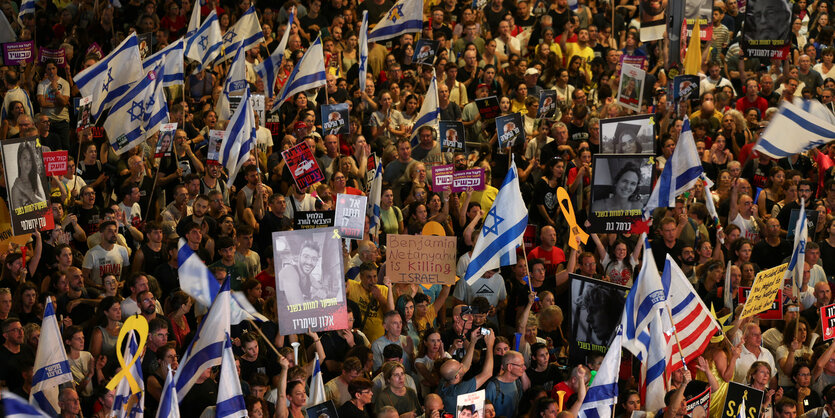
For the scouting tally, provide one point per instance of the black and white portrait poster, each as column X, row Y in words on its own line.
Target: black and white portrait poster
column 452, row 135
column 335, row 119
column 631, row 88
column 510, row 129
column 166, row 140
column 27, row 186
column 309, row 283
column 597, row 307
column 213, row 149
column 627, row 135
column 653, row 24
column 323, row 410
column 350, row 215
column 621, row 185
column 547, row 104
column 84, row 106
column 766, row 31
column 425, row 50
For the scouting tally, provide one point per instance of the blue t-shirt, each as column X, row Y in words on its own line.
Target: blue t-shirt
column 504, row 396
column 449, row 393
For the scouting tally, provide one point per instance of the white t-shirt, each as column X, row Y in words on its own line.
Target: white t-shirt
column 493, row 289
column 45, row 89
column 102, row 262
column 263, row 139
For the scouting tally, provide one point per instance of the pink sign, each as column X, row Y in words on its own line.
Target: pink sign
column 55, row 163
column 472, row 179
column 52, row 55
column 17, row 53
column 442, row 178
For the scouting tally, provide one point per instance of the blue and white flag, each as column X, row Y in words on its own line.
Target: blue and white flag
column 655, row 364
column 124, row 399
column 647, row 296
column 110, row 78
column 16, row 407
column 374, row 195
column 317, row 385
column 173, row 63
column 430, row 113
column 406, row 16
column 137, row 114
column 239, row 138
column 680, row 172
column 798, row 261
column 504, row 225
column 194, row 21
column 235, row 84
column 26, row 7
column 245, row 33
column 309, row 73
column 206, row 349
column 195, row 278
column 204, row 45
column 156, row 108
column 268, row 70
column 362, row 55
column 51, row 365
column 230, row 398
column 741, row 413
column 169, row 405
column 603, row 393
column 797, row 127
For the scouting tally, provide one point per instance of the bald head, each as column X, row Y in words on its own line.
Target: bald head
column 450, row 370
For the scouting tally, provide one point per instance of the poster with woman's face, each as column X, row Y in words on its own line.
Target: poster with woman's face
column 621, row 185
column 627, row 135
column 631, row 88
column 166, row 140
column 27, row 186
column 766, row 31
column 596, row 311
column 84, row 106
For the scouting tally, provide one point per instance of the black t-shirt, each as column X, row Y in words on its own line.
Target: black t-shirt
column 767, row 256
column 546, row 378
column 81, row 312
column 88, row 220
column 660, row 251
column 12, row 364
column 348, row 409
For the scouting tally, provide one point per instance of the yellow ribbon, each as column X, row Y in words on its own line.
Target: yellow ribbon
column 568, row 213
column 335, row 234
column 139, row 324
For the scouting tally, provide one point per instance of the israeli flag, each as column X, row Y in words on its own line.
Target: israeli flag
column 124, row 399
column 504, row 225
column 741, row 413
column 797, row 127
column 156, row 107
column 317, row 385
column 406, row 16
column 363, row 51
column 110, row 78
column 309, row 73
column 169, row 405
column 239, row 138
column 648, row 295
column 172, row 61
column 51, row 366
column 143, row 107
column 16, row 407
column 603, row 393
column 798, row 261
column 206, row 349
column 195, row 277
column 204, row 45
column 245, row 33
column 373, row 209
column 26, row 7
column 194, row 21
column 235, row 83
column 430, row 113
column 680, row 173
column 268, row 70
column 655, row 364
column 230, row 398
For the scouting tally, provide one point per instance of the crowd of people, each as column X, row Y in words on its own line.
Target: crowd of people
column 413, row 348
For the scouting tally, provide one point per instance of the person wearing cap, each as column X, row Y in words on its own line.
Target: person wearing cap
column 531, row 77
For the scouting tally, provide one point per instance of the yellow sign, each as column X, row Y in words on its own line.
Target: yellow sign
column 568, row 212
column 764, row 290
column 139, row 324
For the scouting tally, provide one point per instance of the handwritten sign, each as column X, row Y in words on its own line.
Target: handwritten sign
column 766, row 285
column 55, row 162
column 776, row 309
column 421, row 259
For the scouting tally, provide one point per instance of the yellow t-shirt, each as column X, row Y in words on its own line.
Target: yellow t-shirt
column 370, row 308
column 587, row 54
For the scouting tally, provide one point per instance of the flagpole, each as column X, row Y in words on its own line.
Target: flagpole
column 675, row 333
column 266, row 340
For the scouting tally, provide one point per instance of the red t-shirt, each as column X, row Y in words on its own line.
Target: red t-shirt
column 552, row 258
column 760, row 103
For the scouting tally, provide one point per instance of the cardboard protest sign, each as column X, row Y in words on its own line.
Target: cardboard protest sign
column 529, row 238
column 636, row 60
column 470, row 405
column 325, row 409
column 55, row 163
column 621, row 186
column 510, row 129
column 451, row 134
column 350, row 215
column 547, row 104
column 425, row 51
column 766, row 31
column 18, row 53
column 146, row 43
column 313, row 219
column 309, row 283
column 595, row 314
column 370, row 171
column 701, row 11
column 775, row 311
column 488, row 107
column 258, row 104
column 471, row 179
column 421, row 259
column 684, row 88
column 697, row 395
column 653, row 25
column 213, row 149
column 27, row 186
column 165, row 143
column 627, row 135
column 302, row 165
column 766, row 285
column 83, row 112
column 442, row 177
column 52, row 55
column 828, row 321
column 8, row 239
column 733, row 399
column 631, row 89
column 335, row 119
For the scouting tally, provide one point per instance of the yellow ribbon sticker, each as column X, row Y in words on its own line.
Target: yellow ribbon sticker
column 139, row 324
column 568, row 213
column 336, row 234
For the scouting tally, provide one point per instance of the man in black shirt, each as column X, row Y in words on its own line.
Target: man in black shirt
column 771, row 251
column 13, row 354
column 667, row 244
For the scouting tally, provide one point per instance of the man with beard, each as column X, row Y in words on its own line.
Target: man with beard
column 296, row 281
column 79, row 302
column 137, row 283
column 771, row 251
column 687, row 261
column 105, row 258
column 199, row 210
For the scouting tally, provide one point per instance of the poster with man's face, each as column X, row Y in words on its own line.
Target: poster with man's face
column 84, row 107
column 653, row 24
column 425, row 50
column 547, row 104
column 595, row 314
column 701, row 10
column 510, row 129
column 309, row 283
column 27, row 186
column 766, row 31
column 470, row 405
column 451, row 134
column 335, row 119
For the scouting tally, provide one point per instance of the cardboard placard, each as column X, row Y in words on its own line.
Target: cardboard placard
column 510, row 129
column 52, row 55
column 324, row 409
column 302, row 165
column 350, row 215
column 631, row 89
column 776, row 310
column 27, row 186
column 828, row 321
column 165, row 143
column 215, row 142
column 421, row 259
column 442, row 177
column 313, row 219
column 547, row 104
column 17, row 53
column 767, row 284
column 335, row 119
column 470, row 405
column 55, row 163
column 452, row 136
column 635, row 60
column 85, row 104
column 258, row 104
column 621, row 187
column 697, row 394
column 736, row 393
column 425, row 51
column 595, row 314
column 471, row 179
column 488, row 107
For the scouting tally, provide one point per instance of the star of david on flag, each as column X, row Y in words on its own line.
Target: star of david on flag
column 496, row 221
column 404, row 17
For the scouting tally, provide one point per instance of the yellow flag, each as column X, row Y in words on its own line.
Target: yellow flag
column 693, row 58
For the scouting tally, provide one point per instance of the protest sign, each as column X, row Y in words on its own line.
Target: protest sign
column 452, row 137
column 55, row 163
column 309, row 283
column 488, row 107
column 302, row 165
column 95, row 49
column 146, row 43
column 213, row 149
column 165, row 143
column 631, row 89
column 442, row 177
column 636, row 60
column 511, row 130
column 257, row 101
column 370, row 171
column 736, row 393
column 701, row 11
column 621, row 186
column 52, row 55
column 627, row 135
column 595, row 314
column 470, row 405
column 684, row 88
column 653, row 26
column 18, row 53
column 8, row 240
column 471, row 179
column 323, row 410
column 335, row 119
column 83, row 112
column 421, row 259
column 425, row 51
column 529, row 238
column 350, row 215
column 828, row 321
column 547, row 104
column 766, row 31
column 775, row 311
column 27, row 186
column 766, row 285
column 313, row 219
column 697, row 395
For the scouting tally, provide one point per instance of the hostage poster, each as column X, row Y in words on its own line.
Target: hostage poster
column 310, row 289
column 597, row 307
column 766, row 31
column 27, row 186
